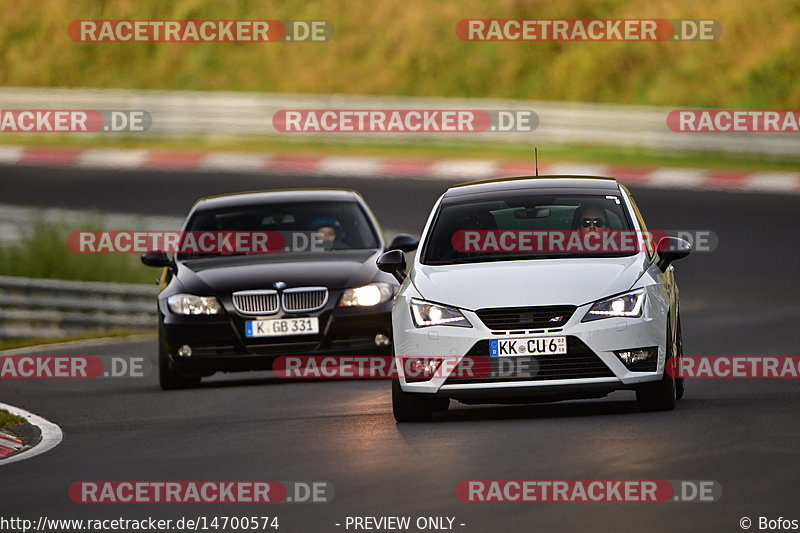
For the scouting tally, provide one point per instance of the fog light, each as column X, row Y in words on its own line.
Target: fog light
column 416, row 370
column 382, row 340
column 185, row 351
column 634, row 356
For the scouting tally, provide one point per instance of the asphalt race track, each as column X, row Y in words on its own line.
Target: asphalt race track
column 741, row 299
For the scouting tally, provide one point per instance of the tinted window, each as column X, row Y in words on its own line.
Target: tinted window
column 517, row 212
column 344, row 222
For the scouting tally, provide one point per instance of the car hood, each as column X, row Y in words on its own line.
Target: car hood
column 335, row 270
column 528, row 283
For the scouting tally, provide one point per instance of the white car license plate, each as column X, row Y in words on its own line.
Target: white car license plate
column 529, row 346
column 277, row 327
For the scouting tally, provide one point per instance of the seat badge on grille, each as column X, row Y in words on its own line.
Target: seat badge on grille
column 280, row 285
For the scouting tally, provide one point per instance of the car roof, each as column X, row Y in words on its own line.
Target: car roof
column 550, row 184
column 277, row 196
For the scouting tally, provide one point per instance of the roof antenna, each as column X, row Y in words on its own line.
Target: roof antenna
column 536, row 159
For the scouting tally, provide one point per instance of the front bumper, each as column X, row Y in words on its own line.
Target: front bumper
column 219, row 344
column 590, row 368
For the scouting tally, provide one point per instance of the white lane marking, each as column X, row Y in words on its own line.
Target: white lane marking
column 111, row 158
column 463, row 169
column 11, row 154
column 772, row 181
column 680, row 178
column 349, row 166
column 51, row 434
column 576, row 169
column 234, row 162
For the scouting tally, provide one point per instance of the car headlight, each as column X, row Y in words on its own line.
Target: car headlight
column 189, row 304
column 366, row 295
column 626, row 306
column 427, row 314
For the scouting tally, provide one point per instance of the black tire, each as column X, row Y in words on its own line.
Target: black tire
column 411, row 407
column 660, row 395
column 680, row 388
column 169, row 378
column 441, row 405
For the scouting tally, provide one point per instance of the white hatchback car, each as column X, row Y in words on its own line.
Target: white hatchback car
column 484, row 317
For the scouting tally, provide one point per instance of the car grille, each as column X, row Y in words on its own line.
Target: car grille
column 509, row 318
column 303, row 299
column 256, row 302
column 580, row 362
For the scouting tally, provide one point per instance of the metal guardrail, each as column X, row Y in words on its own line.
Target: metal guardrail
column 16, row 219
column 42, row 308
column 45, row 308
column 231, row 114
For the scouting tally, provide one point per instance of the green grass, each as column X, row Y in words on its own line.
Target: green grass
column 7, row 420
column 409, row 47
column 496, row 151
column 43, row 253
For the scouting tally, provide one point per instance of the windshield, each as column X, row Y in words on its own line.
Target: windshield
column 304, row 226
column 506, row 227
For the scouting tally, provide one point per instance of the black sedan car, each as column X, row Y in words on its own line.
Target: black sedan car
column 320, row 294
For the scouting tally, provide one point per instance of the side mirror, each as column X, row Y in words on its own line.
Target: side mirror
column 156, row 259
column 393, row 262
column 671, row 249
column 404, row 242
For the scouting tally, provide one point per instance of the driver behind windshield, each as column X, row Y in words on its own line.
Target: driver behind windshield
column 328, row 234
column 590, row 217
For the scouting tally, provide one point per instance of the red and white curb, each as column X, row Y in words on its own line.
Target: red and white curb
column 377, row 167
column 51, row 436
column 9, row 444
